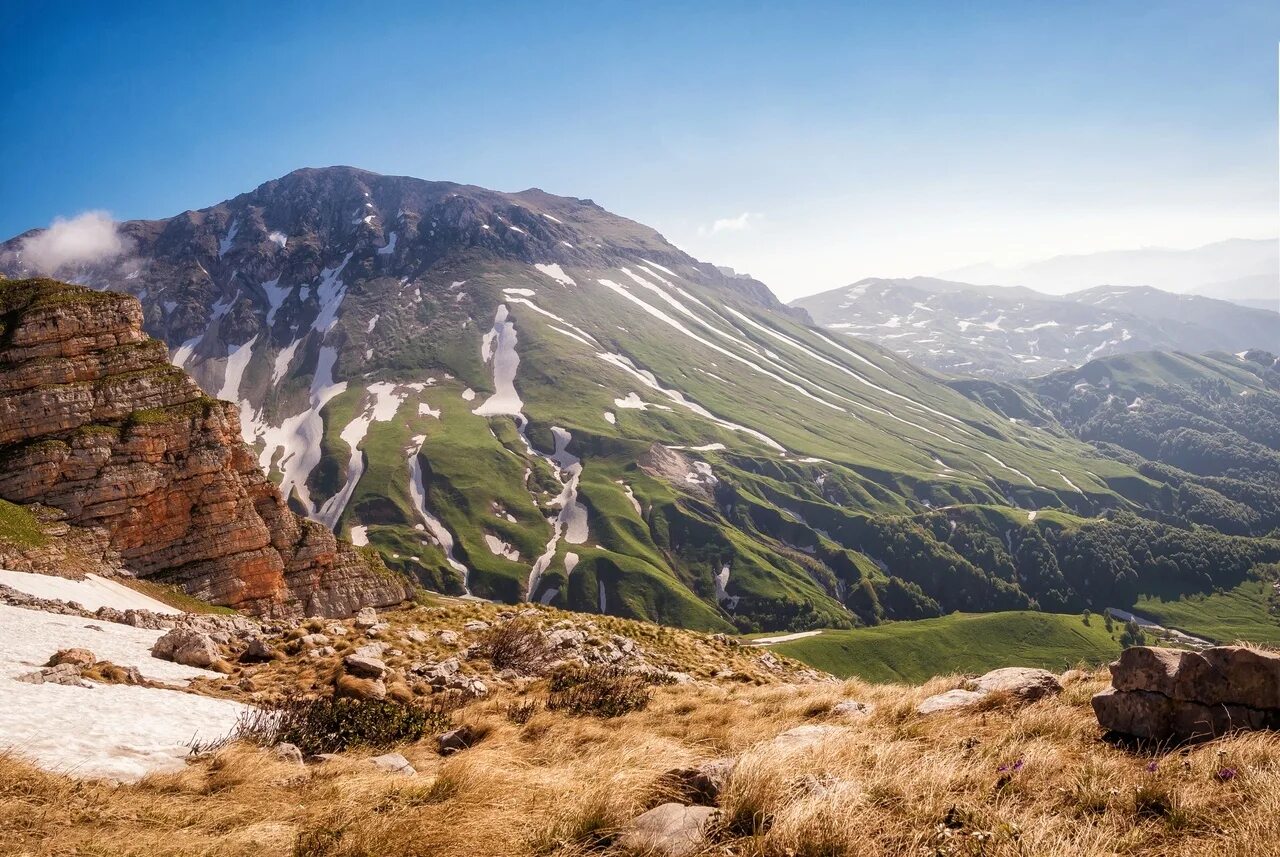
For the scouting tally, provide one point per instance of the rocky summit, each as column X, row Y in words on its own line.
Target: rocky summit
column 136, row 468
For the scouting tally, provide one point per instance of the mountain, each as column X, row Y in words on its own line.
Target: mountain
column 1007, row 332
column 1234, row 269
column 132, row 465
column 521, row 395
column 1208, row 426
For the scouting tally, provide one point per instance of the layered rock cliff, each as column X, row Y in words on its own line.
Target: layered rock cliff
column 95, row 422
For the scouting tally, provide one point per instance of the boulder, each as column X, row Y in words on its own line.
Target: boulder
column 456, row 740
column 65, row 674
column 393, row 763
column 805, row 737
column 449, row 638
column 186, row 646
column 949, row 701
column 699, row 784
column 1022, row 682
column 366, row 618
column 851, row 709
column 669, row 830
column 287, row 752
column 75, row 657
column 258, row 651
column 364, row 666
column 1175, row 695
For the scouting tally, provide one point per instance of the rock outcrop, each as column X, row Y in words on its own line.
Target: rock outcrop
column 1014, row 684
column 95, row 422
column 1176, row 695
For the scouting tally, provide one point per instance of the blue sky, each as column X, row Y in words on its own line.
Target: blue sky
column 808, row 143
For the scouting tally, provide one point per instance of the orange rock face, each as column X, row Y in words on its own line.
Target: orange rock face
column 94, row 421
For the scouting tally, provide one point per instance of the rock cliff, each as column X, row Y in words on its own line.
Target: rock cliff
column 95, row 422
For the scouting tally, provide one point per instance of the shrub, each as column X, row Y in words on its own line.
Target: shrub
column 325, row 725
column 516, row 645
column 598, row 691
column 521, row 712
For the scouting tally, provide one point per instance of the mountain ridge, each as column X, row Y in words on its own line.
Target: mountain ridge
column 531, row 398
column 1013, row 331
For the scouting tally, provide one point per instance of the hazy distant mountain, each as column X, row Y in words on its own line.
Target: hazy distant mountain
column 1003, row 331
column 1234, row 269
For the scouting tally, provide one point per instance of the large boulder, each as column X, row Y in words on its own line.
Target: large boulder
column 187, row 646
column 669, row 830
column 1171, row 694
column 1024, row 683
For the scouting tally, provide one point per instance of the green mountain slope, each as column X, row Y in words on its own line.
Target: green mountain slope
column 523, row 396
column 913, row 652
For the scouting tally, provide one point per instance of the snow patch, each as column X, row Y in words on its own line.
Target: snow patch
column 555, row 272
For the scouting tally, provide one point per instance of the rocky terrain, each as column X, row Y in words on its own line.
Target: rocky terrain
column 513, row 740
column 134, row 467
column 1015, row 332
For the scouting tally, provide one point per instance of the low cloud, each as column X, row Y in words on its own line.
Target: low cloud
column 730, row 224
column 86, row 239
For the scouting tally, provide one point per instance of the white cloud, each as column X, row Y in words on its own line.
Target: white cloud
column 85, row 239
column 730, row 224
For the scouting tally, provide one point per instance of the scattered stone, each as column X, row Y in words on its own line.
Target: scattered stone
column 417, row 635
column 456, row 740
column 853, row 709
column 187, row 646
column 66, row 674
column 669, row 830
column 258, row 651
column 364, row 666
column 366, row 618
column 1024, row 683
column 949, row 701
column 700, row 784
column 379, row 630
column 1177, row 695
column 314, row 640
column 75, row 657
column 287, row 752
column 806, row 737
column 474, row 626
column 393, row 763
column 449, row 638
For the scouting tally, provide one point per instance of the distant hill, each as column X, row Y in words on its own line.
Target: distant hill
column 1013, row 331
column 1235, row 269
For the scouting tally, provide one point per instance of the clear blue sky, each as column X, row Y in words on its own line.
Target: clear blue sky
column 808, row 143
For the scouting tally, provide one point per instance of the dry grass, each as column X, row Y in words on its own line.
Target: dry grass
column 891, row 784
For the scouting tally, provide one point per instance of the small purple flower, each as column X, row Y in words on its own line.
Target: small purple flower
column 1153, row 766
column 1006, row 768
column 1001, row 769
column 1017, row 766
column 1226, row 774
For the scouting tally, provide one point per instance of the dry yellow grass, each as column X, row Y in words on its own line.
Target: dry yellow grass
column 893, row 784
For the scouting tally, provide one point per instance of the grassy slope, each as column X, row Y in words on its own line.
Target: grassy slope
column 962, row 643
column 1224, row 617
